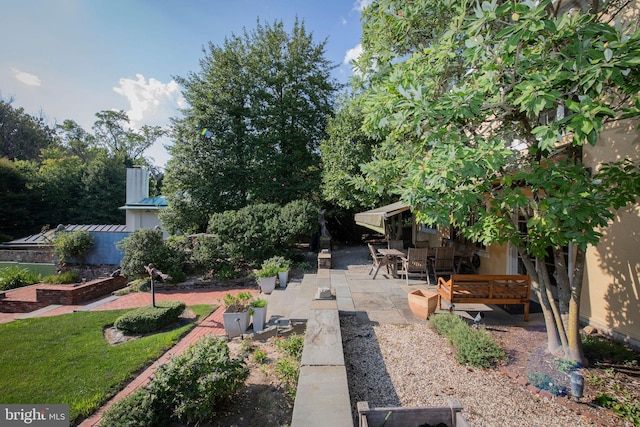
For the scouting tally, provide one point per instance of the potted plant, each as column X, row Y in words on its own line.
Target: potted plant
column 284, row 265
column 259, row 313
column 236, row 313
column 267, row 276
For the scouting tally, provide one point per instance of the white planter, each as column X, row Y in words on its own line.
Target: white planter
column 259, row 318
column 267, row 284
column 235, row 324
column 283, row 278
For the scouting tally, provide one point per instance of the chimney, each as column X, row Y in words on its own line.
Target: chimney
column 137, row 184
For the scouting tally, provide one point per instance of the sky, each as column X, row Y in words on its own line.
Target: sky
column 69, row 59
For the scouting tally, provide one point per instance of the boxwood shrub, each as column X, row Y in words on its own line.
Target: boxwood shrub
column 150, row 319
column 62, row 278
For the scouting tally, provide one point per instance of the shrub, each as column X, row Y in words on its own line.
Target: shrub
column 226, row 271
column 143, row 247
column 148, row 318
column 259, row 231
column 66, row 277
column 474, row 347
column 135, row 410
column 75, row 244
column 17, row 277
column 194, row 385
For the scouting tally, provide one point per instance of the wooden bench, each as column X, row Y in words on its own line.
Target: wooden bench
column 486, row 289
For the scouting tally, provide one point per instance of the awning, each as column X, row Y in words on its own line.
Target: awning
column 374, row 219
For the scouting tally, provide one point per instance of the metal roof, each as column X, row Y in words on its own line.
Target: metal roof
column 157, row 202
column 44, row 239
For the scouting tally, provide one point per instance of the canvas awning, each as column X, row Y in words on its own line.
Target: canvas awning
column 374, row 219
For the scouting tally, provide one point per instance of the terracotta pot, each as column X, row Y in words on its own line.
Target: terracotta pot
column 423, row 303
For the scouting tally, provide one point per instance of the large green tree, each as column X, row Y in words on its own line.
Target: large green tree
column 257, row 113
column 22, row 136
column 483, row 110
column 112, row 131
column 344, row 150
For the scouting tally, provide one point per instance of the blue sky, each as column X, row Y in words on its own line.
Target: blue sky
column 69, row 59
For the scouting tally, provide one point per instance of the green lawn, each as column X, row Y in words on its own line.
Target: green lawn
column 65, row 359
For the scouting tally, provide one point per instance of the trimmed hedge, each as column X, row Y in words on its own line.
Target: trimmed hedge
column 62, row 278
column 150, row 319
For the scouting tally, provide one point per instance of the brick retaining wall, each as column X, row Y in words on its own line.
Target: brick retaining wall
column 76, row 294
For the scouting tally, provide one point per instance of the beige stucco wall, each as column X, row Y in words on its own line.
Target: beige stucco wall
column 611, row 288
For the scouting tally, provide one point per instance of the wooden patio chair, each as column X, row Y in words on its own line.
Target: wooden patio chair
column 465, row 261
column 443, row 263
column 378, row 260
column 416, row 262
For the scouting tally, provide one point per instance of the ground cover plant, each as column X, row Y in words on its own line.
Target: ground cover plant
column 190, row 388
column 66, row 359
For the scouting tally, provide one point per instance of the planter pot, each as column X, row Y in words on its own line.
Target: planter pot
column 267, row 284
column 422, row 303
column 235, row 324
column 259, row 318
column 283, row 278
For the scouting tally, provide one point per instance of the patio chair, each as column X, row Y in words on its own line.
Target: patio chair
column 416, row 262
column 465, row 261
column 378, row 260
column 443, row 263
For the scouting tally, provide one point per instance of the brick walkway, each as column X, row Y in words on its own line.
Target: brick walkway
column 211, row 325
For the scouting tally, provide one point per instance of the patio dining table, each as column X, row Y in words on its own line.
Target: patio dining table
column 393, row 255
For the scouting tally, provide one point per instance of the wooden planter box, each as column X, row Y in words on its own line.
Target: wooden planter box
column 423, row 303
column 450, row 416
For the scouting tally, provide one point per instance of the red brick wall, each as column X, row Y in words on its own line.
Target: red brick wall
column 70, row 294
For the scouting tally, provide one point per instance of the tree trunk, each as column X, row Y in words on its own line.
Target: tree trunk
column 553, row 339
column 573, row 328
column 546, row 283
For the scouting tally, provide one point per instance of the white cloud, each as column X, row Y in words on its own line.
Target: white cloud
column 343, row 21
column 26, row 78
column 151, row 102
column 353, row 54
column 359, row 5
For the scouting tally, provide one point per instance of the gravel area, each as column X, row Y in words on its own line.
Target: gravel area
column 410, row 365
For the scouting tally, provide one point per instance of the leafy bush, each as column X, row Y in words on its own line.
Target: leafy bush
column 135, row 410
column 297, row 219
column 66, row 277
column 259, row 231
column 17, row 277
column 143, row 247
column 226, row 271
column 474, row 347
column 148, row 318
column 192, row 386
column 75, row 244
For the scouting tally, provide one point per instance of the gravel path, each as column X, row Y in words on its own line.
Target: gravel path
column 410, row 365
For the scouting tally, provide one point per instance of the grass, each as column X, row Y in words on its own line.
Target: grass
column 66, row 359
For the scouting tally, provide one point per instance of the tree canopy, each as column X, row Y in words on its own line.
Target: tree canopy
column 257, row 113
column 482, row 111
